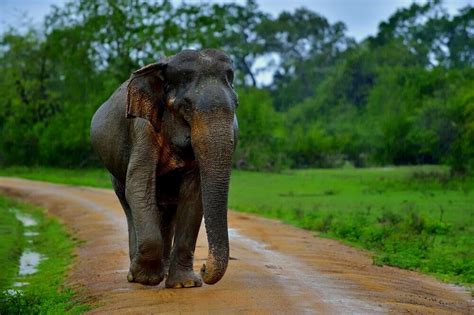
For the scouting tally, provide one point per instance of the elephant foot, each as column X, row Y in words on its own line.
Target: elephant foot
column 183, row 279
column 145, row 273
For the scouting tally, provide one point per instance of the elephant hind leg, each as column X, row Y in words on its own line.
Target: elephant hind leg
column 132, row 237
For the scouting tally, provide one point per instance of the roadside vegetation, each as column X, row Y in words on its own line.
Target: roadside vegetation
column 10, row 248
column 98, row 178
column 42, row 291
column 418, row 218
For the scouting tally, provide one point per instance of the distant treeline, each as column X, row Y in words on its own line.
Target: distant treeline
column 403, row 96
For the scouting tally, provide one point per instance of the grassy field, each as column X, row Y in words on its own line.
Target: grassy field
column 412, row 217
column 42, row 292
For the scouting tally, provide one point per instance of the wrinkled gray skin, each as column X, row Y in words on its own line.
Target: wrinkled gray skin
column 167, row 136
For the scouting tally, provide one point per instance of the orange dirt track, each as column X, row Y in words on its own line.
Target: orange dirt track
column 274, row 268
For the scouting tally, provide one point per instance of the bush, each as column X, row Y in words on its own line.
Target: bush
column 262, row 137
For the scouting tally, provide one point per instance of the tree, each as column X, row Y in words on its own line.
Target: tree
column 431, row 35
column 262, row 135
column 307, row 45
column 400, row 97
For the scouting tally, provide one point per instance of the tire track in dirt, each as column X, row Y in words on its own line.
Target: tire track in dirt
column 275, row 268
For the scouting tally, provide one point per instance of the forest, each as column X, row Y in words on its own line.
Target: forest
column 404, row 96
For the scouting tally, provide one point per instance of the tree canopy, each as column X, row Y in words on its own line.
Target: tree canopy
column 402, row 96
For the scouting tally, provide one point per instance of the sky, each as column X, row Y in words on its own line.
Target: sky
column 362, row 17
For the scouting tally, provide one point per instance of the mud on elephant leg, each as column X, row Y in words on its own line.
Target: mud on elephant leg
column 188, row 222
column 147, row 265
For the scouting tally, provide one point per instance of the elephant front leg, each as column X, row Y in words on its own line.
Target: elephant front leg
column 188, row 222
column 120, row 192
column 146, row 265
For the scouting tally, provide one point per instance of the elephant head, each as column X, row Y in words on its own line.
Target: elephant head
column 189, row 98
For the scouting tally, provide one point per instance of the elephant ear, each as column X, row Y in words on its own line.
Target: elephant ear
column 145, row 93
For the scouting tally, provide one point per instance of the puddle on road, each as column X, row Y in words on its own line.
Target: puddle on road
column 25, row 219
column 29, row 262
column 20, row 283
column 13, row 292
column 29, row 259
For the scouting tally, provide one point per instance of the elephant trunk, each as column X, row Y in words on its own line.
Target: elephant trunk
column 212, row 140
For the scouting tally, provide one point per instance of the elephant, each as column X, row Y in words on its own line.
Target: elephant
column 167, row 136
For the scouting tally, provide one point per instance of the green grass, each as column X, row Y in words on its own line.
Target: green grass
column 44, row 293
column 412, row 217
column 11, row 231
column 82, row 177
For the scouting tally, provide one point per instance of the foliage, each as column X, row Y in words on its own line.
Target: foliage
column 307, row 45
column 403, row 96
column 261, row 132
column 44, row 293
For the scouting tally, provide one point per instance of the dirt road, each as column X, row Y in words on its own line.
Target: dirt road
column 275, row 268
